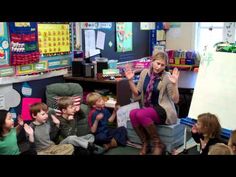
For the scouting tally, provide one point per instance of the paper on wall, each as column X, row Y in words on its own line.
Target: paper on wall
column 26, row 103
column 89, row 42
column 26, row 89
column 147, row 25
column 11, row 97
column 100, row 40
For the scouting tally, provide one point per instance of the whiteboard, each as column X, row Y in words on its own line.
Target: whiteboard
column 215, row 89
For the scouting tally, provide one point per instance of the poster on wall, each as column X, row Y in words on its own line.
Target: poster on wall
column 54, row 39
column 4, row 45
column 124, row 36
column 24, row 43
column 229, row 32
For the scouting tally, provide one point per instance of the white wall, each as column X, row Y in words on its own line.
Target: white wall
column 182, row 37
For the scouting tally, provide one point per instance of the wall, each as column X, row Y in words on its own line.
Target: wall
column 140, row 43
column 182, row 37
column 12, row 93
column 38, row 88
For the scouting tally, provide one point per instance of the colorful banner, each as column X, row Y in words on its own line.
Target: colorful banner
column 54, row 38
column 24, row 43
column 4, row 45
column 124, row 36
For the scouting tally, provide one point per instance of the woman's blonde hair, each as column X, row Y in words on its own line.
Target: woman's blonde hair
column 92, row 98
column 211, row 124
column 160, row 55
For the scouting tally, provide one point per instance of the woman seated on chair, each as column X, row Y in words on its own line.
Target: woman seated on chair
column 159, row 93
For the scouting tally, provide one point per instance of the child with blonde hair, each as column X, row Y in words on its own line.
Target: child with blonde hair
column 206, row 131
column 98, row 119
column 220, row 149
column 232, row 141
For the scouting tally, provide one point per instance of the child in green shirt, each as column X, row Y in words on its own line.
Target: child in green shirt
column 8, row 133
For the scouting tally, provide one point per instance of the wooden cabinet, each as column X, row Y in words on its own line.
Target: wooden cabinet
column 120, row 88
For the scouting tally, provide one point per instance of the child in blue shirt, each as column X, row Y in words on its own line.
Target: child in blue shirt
column 98, row 119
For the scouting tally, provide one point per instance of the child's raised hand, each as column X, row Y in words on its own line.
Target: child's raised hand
column 28, row 129
column 77, row 108
column 194, row 128
column 20, row 120
column 99, row 116
column 71, row 117
column 55, row 120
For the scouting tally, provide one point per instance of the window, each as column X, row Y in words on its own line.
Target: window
column 208, row 34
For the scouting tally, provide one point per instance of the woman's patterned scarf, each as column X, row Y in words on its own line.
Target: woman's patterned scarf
column 149, row 90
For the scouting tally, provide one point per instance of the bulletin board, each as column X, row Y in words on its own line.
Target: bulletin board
column 140, row 43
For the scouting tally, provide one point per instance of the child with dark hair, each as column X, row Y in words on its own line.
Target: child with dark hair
column 8, row 133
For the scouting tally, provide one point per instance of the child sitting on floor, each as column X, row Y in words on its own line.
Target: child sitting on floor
column 68, row 125
column 8, row 134
column 45, row 130
column 98, row 120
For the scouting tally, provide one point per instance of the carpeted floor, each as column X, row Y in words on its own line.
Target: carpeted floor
column 123, row 151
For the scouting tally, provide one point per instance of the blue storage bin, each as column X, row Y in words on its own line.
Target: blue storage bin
column 112, row 64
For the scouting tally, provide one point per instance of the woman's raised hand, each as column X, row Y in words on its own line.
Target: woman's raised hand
column 174, row 76
column 129, row 74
